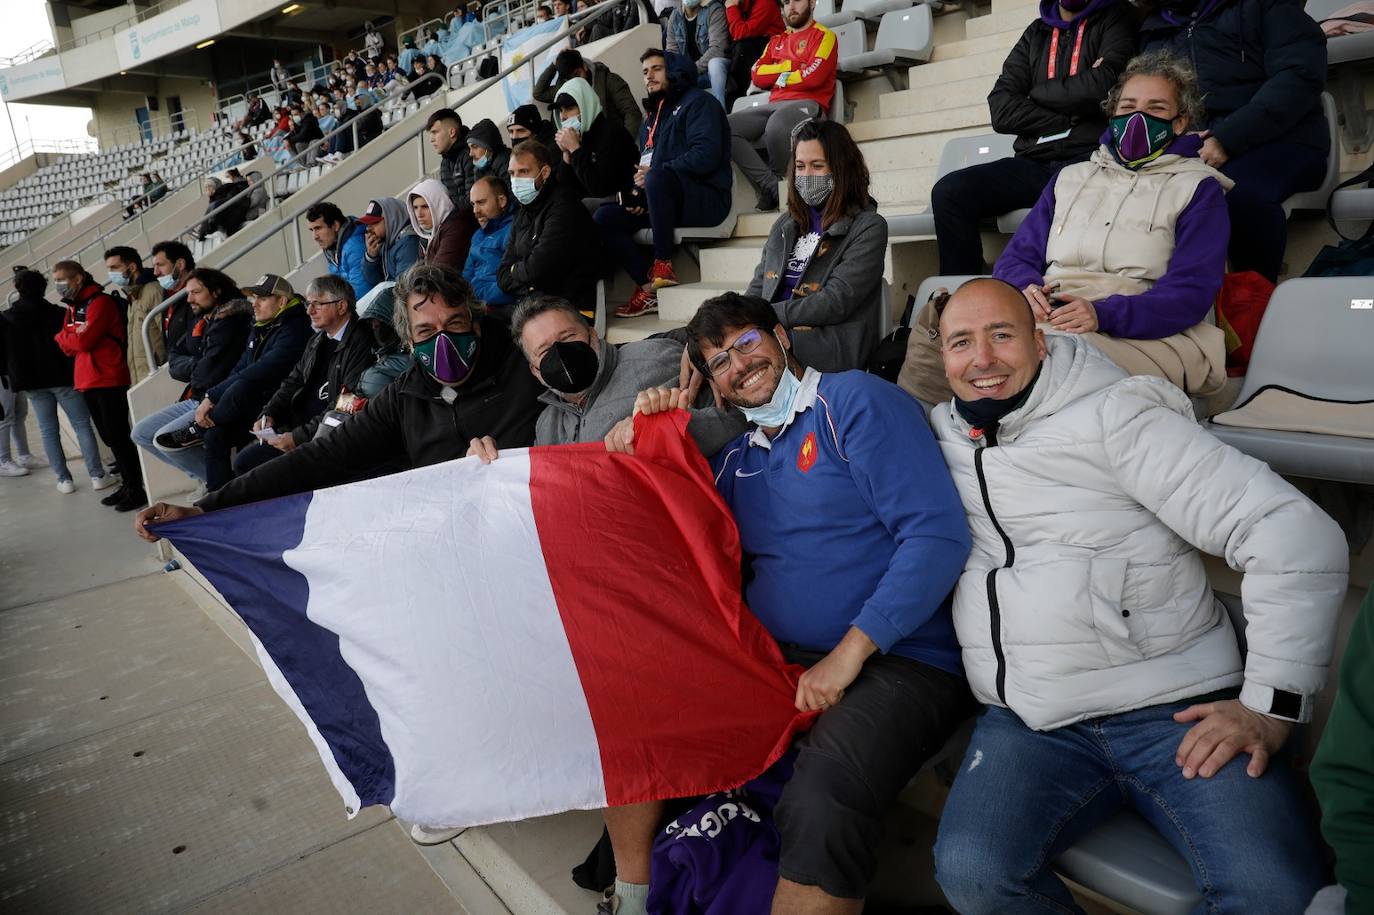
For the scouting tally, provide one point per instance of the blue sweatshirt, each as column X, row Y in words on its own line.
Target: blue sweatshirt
column 849, row 518
column 1182, row 296
column 484, row 260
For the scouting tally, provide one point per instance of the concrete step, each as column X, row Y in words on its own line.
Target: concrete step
column 899, row 153
column 1014, row 21
column 986, row 64
column 957, row 94
column 908, row 185
column 934, row 122
column 679, row 303
column 627, row 330
column 730, row 262
column 998, row 41
column 1017, row 6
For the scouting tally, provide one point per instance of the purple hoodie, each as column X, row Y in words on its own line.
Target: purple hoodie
column 1180, row 298
column 1049, row 13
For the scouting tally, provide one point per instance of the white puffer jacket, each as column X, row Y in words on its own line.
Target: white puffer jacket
column 1084, row 595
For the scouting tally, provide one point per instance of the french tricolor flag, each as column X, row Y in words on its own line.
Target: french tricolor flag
column 467, row 644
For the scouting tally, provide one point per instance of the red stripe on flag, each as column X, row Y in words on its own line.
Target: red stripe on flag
column 687, row 691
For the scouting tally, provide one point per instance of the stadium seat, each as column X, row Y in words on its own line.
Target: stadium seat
column 906, row 37
column 1353, row 204
column 1314, row 340
column 1341, row 49
column 932, row 283
column 826, row 14
column 874, row 10
column 1128, row 861
column 1316, row 199
column 959, row 153
column 741, row 201
column 849, row 45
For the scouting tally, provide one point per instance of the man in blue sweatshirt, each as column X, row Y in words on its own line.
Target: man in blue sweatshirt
column 491, row 205
column 853, row 537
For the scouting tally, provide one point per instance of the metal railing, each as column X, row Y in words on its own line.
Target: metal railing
column 415, row 32
column 158, row 128
column 375, row 151
column 32, row 52
column 32, row 147
column 313, row 74
column 40, row 48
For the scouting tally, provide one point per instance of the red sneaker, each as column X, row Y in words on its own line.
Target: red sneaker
column 662, row 275
column 641, row 303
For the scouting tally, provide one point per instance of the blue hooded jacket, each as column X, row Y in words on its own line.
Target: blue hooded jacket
column 693, row 142
column 484, row 260
column 345, row 259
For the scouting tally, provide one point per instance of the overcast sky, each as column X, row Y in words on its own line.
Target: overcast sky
column 26, row 23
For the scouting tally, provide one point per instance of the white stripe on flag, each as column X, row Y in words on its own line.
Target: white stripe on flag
column 450, row 604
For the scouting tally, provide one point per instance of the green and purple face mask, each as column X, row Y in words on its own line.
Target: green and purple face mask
column 448, row 356
column 1140, row 138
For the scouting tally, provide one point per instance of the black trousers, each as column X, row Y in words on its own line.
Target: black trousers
column 109, row 408
column 962, row 200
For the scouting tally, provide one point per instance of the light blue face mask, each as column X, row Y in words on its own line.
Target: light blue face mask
column 482, row 162
column 524, row 190
column 118, row 279
column 167, row 281
column 778, row 410
column 573, row 124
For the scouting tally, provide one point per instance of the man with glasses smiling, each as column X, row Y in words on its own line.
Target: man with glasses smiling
column 853, row 537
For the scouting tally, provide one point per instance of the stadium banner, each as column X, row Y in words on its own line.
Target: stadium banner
column 467, row 644
column 33, row 78
column 519, row 85
column 179, row 28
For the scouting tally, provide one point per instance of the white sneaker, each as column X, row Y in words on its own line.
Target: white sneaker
column 66, row 487
column 423, row 835
column 104, row 482
column 200, row 492
column 31, row 461
column 11, row 469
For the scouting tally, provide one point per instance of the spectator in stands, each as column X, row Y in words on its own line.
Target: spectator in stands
column 599, row 157
column 93, row 333
column 324, row 116
column 15, row 461
column 226, row 208
column 331, row 366
column 1263, row 127
column 202, row 358
column 373, row 42
column 1110, row 673
column 39, row 369
column 561, row 8
column 258, row 112
column 281, row 79
column 369, row 118
column 799, row 67
column 420, row 84
column 343, row 241
column 257, row 197
column 617, row 101
column 390, row 358
column 752, row 23
column 305, row 130
column 139, row 287
column 683, row 177
column 374, row 78
column 700, row 32
column 469, row 380
column 592, row 385
column 448, row 137
column 172, row 265
column 409, row 52
column 1049, row 94
column 391, row 245
column 626, row 15
column 491, row 205
column 294, row 93
column 543, row 14
column 1343, row 769
column 822, row 266
column 341, row 143
column 227, row 411
column 488, row 151
column 157, row 190
column 525, row 123
column 248, row 149
column 392, row 74
column 862, row 600
column 437, row 222
column 431, row 46
column 553, row 242
column 1143, row 283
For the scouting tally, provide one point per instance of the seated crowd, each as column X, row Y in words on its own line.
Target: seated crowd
column 455, row 320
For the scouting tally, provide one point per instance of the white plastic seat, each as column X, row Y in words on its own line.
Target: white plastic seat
column 874, row 10
column 906, row 37
column 826, row 14
column 958, row 153
column 1316, row 199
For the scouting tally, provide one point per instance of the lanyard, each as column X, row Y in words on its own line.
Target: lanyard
column 1054, row 53
column 658, row 116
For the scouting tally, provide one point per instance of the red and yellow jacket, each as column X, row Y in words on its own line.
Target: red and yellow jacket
column 807, row 57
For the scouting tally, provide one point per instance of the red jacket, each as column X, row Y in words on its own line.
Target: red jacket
column 807, row 58
column 754, row 19
column 94, row 333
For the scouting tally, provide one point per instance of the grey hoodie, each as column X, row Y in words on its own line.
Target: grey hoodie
column 402, row 245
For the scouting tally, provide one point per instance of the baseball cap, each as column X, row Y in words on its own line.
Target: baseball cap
column 373, row 213
column 269, row 284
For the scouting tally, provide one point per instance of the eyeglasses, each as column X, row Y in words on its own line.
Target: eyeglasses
column 745, row 344
column 310, row 306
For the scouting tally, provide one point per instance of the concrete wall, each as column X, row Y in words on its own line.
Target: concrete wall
column 94, row 22
column 113, row 111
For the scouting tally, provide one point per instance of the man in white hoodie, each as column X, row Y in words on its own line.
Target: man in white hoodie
column 1111, row 676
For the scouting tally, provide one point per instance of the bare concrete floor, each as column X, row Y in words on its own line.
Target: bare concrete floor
column 145, row 765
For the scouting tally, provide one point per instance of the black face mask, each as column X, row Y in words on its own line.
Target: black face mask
column 986, row 412
column 569, row 367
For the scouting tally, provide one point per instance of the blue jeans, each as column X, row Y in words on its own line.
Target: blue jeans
column 15, row 409
column 1022, row 797
column 663, row 194
column 190, row 461
column 45, row 402
column 715, row 78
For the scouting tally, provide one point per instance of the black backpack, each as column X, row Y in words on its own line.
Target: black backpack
column 1351, row 256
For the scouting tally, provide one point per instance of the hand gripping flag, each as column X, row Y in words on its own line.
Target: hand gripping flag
column 561, row 629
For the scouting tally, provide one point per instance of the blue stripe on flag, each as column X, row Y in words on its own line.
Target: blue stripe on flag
column 239, row 550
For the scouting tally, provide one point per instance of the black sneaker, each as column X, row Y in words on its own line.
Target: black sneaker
column 115, row 497
column 181, row 439
column 133, row 499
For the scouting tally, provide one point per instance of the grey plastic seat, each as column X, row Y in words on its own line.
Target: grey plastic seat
column 826, row 14
column 849, row 44
column 1341, row 49
column 959, row 153
column 874, row 10
column 906, row 37
column 1316, row 199
column 932, row 283
column 741, row 201
column 1353, row 204
column 1314, row 340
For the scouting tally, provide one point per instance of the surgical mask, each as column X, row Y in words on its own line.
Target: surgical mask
column 63, row 290
column 690, row 4
column 1140, row 138
column 524, row 190
column 482, row 162
column 167, row 281
column 778, row 410
column 569, row 366
column 814, row 189
column 448, row 356
column 118, row 279
column 573, row 124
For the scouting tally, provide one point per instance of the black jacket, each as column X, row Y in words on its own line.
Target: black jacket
column 692, row 142
column 292, row 404
column 32, row 357
column 1262, row 66
column 370, row 125
column 605, row 163
column 231, row 218
column 177, row 321
column 616, row 98
column 554, row 248
column 1026, row 102
column 456, row 171
column 273, row 349
column 210, row 348
column 486, row 133
column 308, row 129
column 409, row 422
